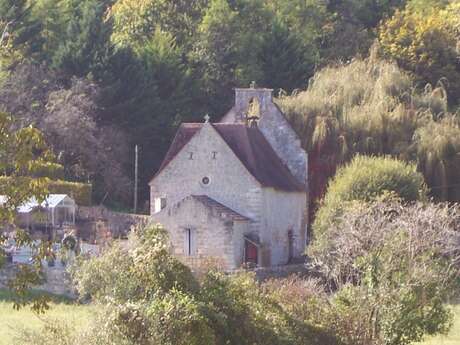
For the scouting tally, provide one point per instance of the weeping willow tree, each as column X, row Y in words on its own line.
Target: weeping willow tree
column 438, row 155
column 368, row 106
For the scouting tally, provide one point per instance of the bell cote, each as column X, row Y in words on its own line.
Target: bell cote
column 251, row 103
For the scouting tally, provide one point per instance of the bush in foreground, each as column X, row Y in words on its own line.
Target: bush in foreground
column 392, row 268
column 385, row 274
column 149, row 297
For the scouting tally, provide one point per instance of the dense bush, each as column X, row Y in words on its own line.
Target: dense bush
column 366, row 179
column 151, row 298
column 385, row 273
column 144, row 270
column 392, row 268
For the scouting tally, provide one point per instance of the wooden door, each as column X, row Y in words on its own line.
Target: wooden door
column 251, row 252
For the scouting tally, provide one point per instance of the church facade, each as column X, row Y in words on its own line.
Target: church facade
column 235, row 191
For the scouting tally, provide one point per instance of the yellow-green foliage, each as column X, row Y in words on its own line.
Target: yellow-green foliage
column 425, row 41
column 80, row 192
column 366, row 179
column 367, row 106
column 51, row 170
column 371, row 107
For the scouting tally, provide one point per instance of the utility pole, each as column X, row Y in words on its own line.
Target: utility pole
column 136, row 173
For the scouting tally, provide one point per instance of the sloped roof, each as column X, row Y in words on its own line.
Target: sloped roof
column 51, row 201
column 251, row 148
column 220, row 208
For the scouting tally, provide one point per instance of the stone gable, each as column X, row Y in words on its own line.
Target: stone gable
column 229, row 179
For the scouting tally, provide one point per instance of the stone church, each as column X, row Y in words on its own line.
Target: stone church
column 235, row 191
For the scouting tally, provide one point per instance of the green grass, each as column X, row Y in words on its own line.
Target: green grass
column 452, row 338
column 12, row 321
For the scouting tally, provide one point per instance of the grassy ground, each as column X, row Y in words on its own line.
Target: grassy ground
column 452, row 338
column 11, row 321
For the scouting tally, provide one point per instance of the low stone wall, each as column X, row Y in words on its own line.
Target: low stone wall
column 117, row 223
column 57, row 280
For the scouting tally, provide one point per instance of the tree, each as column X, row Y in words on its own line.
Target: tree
column 69, row 118
column 52, row 15
column 425, row 43
column 367, row 179
column 22, row 152
column 85, row 46
column 284, row 61
column 369, row 107
column 438, row 156
column 301, row 27
column 392, row 266
column 148, row 91
column 351, row 29
column 136, row 21
column 88, row 150
column 227, row 48
column 20, row 32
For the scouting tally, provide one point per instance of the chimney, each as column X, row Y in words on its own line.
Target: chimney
column 245, row 97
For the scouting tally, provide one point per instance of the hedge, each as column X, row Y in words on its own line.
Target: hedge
column 80, row 192
column 53, row 171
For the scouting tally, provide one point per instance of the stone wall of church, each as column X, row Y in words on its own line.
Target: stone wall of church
column 283, row 212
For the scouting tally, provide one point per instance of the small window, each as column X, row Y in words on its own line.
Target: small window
column 205, row 180
column 189, row 242
column 190, row 155
column 214, row 154
column 160, row 203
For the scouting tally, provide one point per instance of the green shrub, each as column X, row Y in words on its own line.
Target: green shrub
column 392, row 267
column 131, row 275
column 151, row 298
column 53, row 171
column 366, row 179
column 80, row 192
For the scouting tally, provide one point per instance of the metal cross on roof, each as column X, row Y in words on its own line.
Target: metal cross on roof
column 207, row 118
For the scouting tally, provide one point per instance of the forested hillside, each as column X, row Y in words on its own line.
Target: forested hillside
column 354, row 76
